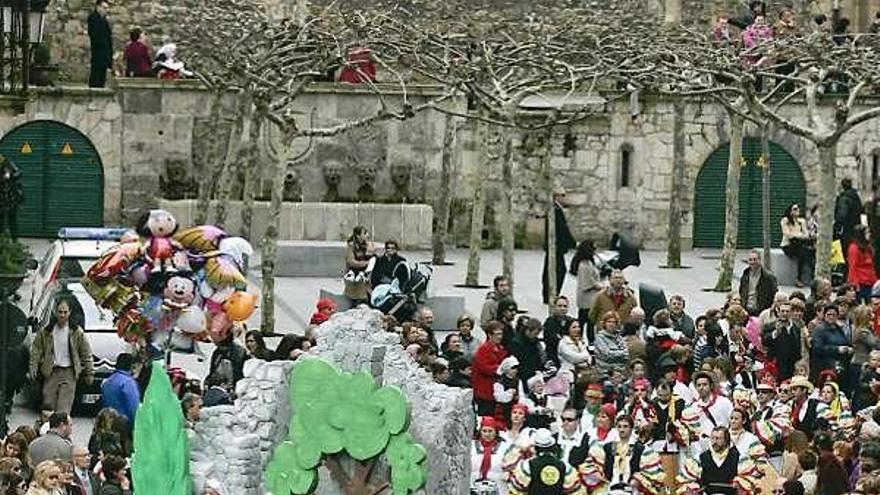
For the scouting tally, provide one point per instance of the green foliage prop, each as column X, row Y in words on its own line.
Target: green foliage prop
column 337, row 411
column 161, row 462
column 13, row 256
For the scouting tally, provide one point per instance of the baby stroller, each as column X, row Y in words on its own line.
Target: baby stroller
column 401, row 297
column 622, row 252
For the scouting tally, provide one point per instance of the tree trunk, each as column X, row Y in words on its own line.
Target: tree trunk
column 731, row 210
column 507, row 224
column 672, row 12
column 827, row 179
column 765, row 194
column 547, row 172
column 252, row 176
column 444, row 197
column 479, row 206
column 231, row 164
column 270, row 238
column 673, row 247
column 209, row 173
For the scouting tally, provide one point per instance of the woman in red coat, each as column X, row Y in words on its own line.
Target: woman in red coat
column 860, row 260
column 486, row 361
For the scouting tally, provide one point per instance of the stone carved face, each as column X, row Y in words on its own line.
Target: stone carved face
column 333, row 173
column 367, row 175
column 400, row 174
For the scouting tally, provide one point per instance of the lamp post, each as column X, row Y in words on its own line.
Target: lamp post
column 22, row 22
column 11, row 196
column 13, row 323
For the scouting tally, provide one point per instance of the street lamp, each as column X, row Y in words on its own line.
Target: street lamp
column 23, row 22
column 13, row 324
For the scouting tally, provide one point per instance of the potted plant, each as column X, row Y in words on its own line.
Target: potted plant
column 42, row 72
column 15, row 261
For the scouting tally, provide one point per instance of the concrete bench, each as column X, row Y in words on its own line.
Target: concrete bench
column 446, row 309
column 325, row 259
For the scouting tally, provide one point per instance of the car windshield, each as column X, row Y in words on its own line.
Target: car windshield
column 74, row 268
column 84, row 312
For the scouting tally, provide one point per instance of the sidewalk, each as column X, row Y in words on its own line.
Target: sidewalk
column 296, row 296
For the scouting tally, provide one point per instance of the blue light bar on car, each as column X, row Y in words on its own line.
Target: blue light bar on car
column 92, row 233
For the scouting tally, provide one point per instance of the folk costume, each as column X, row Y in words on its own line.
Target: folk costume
column 544, row 473
column 617, row 464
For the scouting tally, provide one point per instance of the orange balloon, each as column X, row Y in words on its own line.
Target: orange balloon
column 240, row 305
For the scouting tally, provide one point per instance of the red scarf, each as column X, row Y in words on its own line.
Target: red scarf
column 602, row 433
column 796, row 413
column 709, row 406
column 486, row 463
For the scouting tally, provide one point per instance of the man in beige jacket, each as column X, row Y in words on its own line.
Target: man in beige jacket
column 61, row 356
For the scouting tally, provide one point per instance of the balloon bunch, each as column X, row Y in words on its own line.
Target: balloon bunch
column 169, row 289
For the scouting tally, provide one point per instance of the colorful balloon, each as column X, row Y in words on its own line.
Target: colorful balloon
column 192, row 320
column 220, row 327
column 240, row 305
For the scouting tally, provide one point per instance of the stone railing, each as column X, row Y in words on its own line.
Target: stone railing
column 408, row 224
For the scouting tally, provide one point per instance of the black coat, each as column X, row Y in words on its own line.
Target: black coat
column 847, row 213
column 564, row 239
column 232, row 352
column 554, row 329
column 101, row 40
column 785, row 348
column 530, row 355
column 383, row 272
column 765, row 291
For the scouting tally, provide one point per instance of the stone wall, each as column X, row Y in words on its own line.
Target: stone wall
column 409, row 225
column 232, row 444
column 150, row 134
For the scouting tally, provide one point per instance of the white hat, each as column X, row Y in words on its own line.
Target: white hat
column 544, row 439
column 508, row 363
column 531, row 382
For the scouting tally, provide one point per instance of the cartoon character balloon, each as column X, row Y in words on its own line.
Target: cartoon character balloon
column 157, row 226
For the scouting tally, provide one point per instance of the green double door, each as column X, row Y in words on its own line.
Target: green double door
column 61, row 174
column 787, row 186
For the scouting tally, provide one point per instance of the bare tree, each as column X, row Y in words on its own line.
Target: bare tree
column 274, row 61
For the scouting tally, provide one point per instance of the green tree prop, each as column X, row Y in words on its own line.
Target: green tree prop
column 338, row 412
column 161, row 462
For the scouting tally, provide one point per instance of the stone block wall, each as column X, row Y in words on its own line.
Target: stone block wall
column 410, row 225
column 232, row 444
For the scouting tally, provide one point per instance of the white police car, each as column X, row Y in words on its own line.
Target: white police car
column 70, row 256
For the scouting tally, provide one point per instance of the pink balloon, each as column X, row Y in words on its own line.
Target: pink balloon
column 220, row 327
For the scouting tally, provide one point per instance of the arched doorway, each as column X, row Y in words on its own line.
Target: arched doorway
column 786, row 186
column 62, row 177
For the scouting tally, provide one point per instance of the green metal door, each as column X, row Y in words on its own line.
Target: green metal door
column 786, row 186
column 62, row 177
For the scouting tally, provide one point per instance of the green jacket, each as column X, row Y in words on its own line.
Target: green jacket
column 43, row 354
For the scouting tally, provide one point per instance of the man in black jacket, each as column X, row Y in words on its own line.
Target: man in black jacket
column 782, row 339
column 101, row 41
column 757, row 286
column 564, row 243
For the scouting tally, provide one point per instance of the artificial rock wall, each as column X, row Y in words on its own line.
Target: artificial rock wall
column 232, row 444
